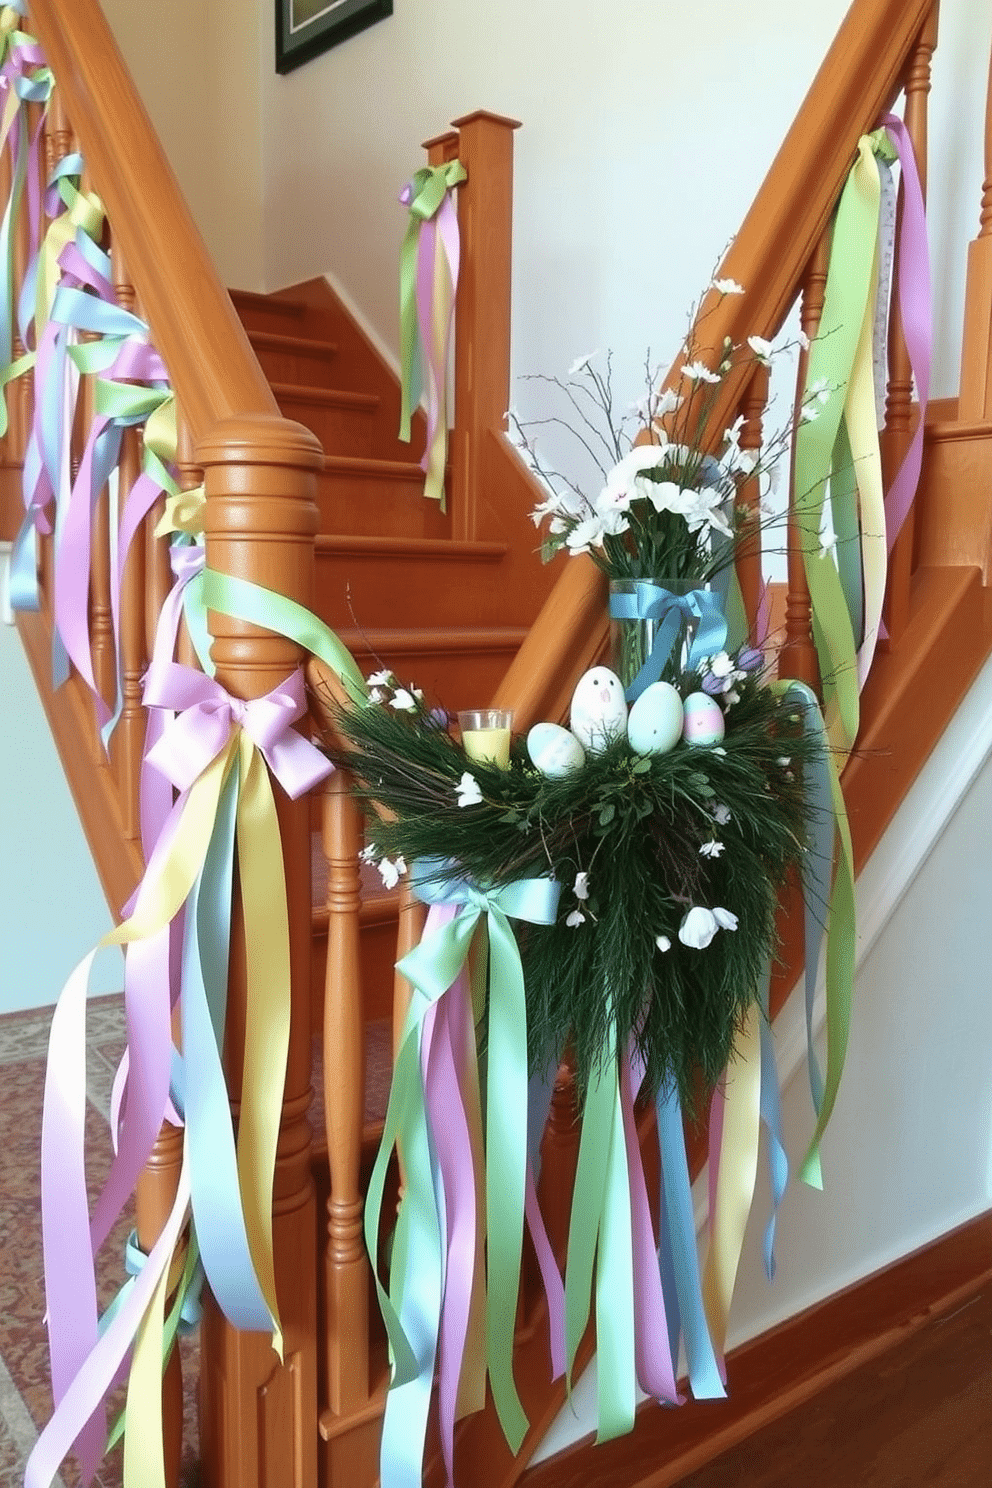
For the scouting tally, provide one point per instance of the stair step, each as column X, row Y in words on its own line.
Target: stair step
column 296, row 359
column 341, row 420
column 457, row 668
column 261, row 312
column 366, row 497
column 367, row 581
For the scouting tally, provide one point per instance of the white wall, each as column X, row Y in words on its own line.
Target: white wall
column 646, row 131
column 52, row 909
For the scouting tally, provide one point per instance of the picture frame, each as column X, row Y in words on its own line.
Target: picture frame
column 305, row 28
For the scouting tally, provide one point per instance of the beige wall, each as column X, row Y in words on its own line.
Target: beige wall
column 197, row 66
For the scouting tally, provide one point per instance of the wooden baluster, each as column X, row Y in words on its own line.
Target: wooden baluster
column 749, row 573
column 102, row 643
column 156, row 1193
column 128, row 741
column 190, row 476
column 559, row 1158
column 898, row 432
column 975, row 403
column 258, row 1415
column 798, row 655
column 346, row 1264
column 482, row 306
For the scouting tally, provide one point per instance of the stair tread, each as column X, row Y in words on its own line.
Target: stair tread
column 455, row 549
column 301, row 392
column 253, row 300
column 298, row 345
column 363, row 464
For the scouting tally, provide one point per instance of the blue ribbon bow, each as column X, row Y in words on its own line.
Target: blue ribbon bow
column 650, row 601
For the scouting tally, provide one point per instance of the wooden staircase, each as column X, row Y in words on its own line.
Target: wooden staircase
column 453, row 601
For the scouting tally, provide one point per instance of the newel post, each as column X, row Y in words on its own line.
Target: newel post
column 484, row 145
column 258, row 1417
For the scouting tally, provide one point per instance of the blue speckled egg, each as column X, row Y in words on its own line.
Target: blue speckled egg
column 655, row 722
column 554, row 751
column 703, row 720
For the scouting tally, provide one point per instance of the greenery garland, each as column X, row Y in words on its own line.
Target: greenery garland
column 637, row 842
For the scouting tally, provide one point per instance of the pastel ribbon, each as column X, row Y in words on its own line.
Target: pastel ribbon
column 916, row 314
column 429, row 264
column 649, row 601
column 412, row 1308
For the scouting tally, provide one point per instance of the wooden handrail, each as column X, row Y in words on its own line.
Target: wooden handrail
column 194, row 324
column 860, row 78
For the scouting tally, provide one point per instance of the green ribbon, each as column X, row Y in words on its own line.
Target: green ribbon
column 600, row 1236
column 243, row 600
column 840, row 922
column 848, row 299
column 427, row 191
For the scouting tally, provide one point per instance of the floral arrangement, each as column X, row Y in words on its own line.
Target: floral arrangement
column 668, row 506
column 669, row 863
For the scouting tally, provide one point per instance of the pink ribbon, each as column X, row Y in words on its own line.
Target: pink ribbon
column 207, row 714
column 916, row 311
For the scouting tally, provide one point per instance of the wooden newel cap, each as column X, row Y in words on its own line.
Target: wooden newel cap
column 260, row 439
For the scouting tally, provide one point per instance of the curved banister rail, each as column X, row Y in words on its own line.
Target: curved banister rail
column 193, row 323
column 859, row 79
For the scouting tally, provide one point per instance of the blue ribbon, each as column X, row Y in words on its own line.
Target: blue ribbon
column 680, row 1251
column 650, row 601
column 771, row 1115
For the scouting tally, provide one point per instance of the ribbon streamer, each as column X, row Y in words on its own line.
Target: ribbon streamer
column 429, row 264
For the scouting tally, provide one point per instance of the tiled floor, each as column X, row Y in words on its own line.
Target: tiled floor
column 25, row 1392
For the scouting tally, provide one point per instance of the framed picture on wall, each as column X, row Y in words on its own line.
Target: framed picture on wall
column 305, row 28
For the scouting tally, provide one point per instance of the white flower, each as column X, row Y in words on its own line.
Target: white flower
column 381, row 679
column 727, row 286
column 724, row 918
column 369, row 854
column 588, row 534
column 809, row 413
column 581, row 363
column 376, row 695
column 666, row 402
column 663, row 943
column 698, row 928
column 575, row 919
column 803, row 340
column 403, row 701
column 392, row 871
column 828, row 539
column 719, row 750
column 785, row 761
column 711, row 849
column 580, row 888
column 468, row 791
column 663, row 495
column 721, row 814
column 698, row 371
column 761, row 348
column 721, row 664
column 731, row 697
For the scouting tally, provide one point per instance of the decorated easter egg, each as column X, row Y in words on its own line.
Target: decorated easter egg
column 703, row 720
column 655, row 722
column 554, row 751
column 599, row 710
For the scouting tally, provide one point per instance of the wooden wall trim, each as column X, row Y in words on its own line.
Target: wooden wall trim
column 779, row 1370
column 194, row 324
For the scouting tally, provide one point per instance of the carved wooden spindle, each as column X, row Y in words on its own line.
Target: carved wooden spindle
column 346, row 1264
column 798, row 655
column 261, row 517
column 156, row 1193
column 975, row 402
column 484, row 145
column 190, row 476
column 58, row 142
column 128, row 741
column 749, row 574
column 898, row 432
column 559, row 1158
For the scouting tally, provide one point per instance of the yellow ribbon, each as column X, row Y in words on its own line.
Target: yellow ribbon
column 184, row 512
column 735, row 1183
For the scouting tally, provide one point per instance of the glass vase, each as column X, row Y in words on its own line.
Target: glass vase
column 634, row 635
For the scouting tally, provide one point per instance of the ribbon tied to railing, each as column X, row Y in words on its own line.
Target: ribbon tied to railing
column 673, row 613
column 419, row 1284
column 429, row 263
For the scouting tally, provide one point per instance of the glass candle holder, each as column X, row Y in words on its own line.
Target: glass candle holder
column 486, row 735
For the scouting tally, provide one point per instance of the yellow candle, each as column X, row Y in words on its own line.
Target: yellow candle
column 486, row 735
column 488, row 746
